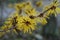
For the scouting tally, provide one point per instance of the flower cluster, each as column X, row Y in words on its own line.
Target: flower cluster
column 27, row 23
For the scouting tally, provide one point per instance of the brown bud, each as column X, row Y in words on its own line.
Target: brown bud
column 53, row 7
column 32, row 17
column 41, row 15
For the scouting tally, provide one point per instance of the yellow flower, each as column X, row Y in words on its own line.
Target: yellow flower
column 39, row 3
column 42, row 20
column 28, row 5
column 52, row 9
column 24, row 5
column 7, row 25
column 26, row 24
column 4, row 29
column 19, row 6
column 57, row 8
column 48, row 13
column 31, row 11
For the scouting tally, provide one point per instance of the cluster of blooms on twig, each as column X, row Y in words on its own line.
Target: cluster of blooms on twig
column 27, row 23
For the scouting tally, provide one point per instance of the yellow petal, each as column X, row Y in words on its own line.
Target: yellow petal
column 58, row 10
